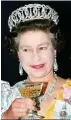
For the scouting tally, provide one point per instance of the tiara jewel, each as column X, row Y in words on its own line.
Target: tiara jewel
column 32, row 12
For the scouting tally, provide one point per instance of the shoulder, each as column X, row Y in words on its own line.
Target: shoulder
column 67, row 83
column 64, row 88
column 60, row 82
column 63, row 98
column 5, row 85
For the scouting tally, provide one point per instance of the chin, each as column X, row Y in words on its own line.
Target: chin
column 39, row 75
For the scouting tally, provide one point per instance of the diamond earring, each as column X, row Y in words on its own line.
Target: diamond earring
column 20, row 69
column 55, row 65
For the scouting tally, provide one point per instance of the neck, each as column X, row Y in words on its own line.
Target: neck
column 48, row 78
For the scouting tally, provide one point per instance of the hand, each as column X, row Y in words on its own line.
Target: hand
column 19, row 108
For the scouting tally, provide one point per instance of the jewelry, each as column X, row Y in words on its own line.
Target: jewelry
column 21, row 109
column 20, row 69
column 55, row 65
column 48, row 91
column 32, row 12
column 63, row 112
column 70, row 100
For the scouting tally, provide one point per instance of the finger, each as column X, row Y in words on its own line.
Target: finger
column 24, row 104
column 21, row 114
column 19, row 105
column 33, row 108
column 20, row 110
column 17, row 113
column 30, row 102
column 23, row 101
column 19, row 102
column 19, row 99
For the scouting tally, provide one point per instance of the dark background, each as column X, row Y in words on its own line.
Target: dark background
column 9, row 63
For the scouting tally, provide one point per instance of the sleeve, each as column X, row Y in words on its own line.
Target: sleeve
column 62, row 107
column 8, row 95
column 67, row 91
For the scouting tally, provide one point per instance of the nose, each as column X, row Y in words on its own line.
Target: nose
column 36, row 57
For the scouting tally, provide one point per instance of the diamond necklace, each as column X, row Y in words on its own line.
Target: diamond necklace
column 48, row 91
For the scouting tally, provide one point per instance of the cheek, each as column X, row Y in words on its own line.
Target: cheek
column 51, row 56
column 24, row 58
column 48, row 56
column 21, row 56
column 49, row 60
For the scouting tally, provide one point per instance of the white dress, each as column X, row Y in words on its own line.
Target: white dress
column 8, row 95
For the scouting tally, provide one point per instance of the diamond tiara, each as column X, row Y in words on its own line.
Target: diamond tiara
column 32, row 12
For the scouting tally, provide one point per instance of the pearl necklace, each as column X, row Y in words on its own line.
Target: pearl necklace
column 48, row 91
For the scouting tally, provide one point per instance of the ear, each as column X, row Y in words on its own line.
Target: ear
column 55, row 52
column 18, row 54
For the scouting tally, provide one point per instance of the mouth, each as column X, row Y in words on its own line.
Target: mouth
column 37, row 66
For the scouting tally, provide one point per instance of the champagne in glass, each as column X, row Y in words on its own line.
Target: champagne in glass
column 33, row 91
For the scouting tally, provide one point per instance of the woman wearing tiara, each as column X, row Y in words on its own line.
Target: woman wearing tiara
column 34, row 37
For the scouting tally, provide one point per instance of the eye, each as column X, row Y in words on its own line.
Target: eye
column 43, row 48
column 25, row 50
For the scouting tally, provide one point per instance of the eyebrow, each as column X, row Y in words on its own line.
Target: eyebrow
column 45, row 43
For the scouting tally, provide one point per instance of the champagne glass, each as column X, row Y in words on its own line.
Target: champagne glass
column 33, row 91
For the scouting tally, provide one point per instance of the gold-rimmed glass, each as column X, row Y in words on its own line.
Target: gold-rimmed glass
column 33, row 91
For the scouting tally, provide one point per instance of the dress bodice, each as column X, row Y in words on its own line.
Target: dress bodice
column 62, row 103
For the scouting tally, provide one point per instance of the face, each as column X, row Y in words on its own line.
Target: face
column 36, row 53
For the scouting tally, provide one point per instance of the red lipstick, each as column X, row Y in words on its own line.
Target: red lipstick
column 37, row 66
